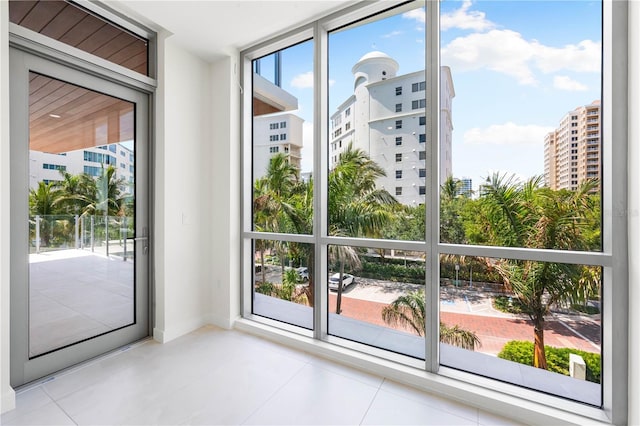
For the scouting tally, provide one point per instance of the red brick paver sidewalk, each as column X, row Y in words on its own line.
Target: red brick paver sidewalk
column 493, row 332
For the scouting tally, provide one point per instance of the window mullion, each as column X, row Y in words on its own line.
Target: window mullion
column 320, row 168
column 432, row 236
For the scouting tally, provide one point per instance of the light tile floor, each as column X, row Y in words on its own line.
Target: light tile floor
column 214, row 376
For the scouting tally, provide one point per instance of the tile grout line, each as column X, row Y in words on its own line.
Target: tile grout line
column 306, row 363
column 55, row 401
column 372, row 400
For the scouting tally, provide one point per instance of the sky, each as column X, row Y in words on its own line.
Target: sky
column 518, row 67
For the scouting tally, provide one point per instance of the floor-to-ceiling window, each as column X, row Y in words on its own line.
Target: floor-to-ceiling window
column 451, row 206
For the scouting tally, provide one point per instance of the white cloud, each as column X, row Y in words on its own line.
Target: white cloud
column 416, row 14
column 581, row 57
column 391, row 34
column 507, row 134
column 562, row 82
column 503, row 51
column 507, row 52
column 305, row 81
column 465, row 19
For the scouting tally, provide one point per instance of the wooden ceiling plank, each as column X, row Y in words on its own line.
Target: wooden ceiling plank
column 42, row 14
column 19, row 9
column 44, row 90
column 99, row 38
column 63, row 22
column 58, row 140
column 55, row 105
column 130, row 51
column 44, row 125
column 83, row 29
column 136, row 61
column 120, row 42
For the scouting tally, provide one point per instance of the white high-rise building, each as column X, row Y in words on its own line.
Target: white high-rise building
column 273, row 134
column 385, row 117
column 45, row 166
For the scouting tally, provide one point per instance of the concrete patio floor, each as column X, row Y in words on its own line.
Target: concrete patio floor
column 75, row 295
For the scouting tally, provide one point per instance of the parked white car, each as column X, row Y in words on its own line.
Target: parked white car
column 303, row 273
column 334, row 281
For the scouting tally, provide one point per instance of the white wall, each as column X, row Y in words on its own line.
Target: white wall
column 7, row 396
column 184, row 179
column 225, row 215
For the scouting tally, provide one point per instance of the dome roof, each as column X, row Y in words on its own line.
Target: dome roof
column 375, row 55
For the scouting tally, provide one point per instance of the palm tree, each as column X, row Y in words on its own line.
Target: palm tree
column 529, row 215
column 42, row 202
column 76, row 192
column 344, row 256
column 356, row 207
column 410, row 310
column 108, row 196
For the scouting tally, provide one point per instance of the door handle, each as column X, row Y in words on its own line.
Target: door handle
column 145, row 246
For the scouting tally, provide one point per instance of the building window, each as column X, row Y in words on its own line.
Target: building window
column 53, row 167
column 283, row 136
column 347, row 112
column 398, row 190
column 398, row 140
column 422, row 190
column 422, row 120
column 273, row 138
column 283, row 124
column 347, row 126
column 274, row 149
column 398, row 124
column 398, row 157
column 422, row 173
column 422, row 155
column 417, row 104
column 398, row 107
column 422, row 137
column 418, row 87
column 398, row 90
column 398, row 174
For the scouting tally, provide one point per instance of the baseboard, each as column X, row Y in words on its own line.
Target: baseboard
column 170, row 333
column 8, row 401
column 222, row 322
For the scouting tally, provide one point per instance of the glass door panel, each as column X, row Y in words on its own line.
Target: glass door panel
column 81, row 199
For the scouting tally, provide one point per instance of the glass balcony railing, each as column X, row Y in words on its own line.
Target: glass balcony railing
column 110, row 235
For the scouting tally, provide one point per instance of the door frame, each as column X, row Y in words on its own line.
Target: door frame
column 50, row 62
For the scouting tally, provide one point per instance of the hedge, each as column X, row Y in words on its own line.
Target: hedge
column 557, row 358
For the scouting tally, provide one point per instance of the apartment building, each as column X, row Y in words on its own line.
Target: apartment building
column 273, row 134
column 386, row 118
column 46, row 166
column 572, row 152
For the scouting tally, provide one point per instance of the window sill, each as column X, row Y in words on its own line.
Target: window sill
column 520, row 404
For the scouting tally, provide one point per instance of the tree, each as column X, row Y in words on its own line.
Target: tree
column 451, row 206
column 42, row 202
column 109, row 199
column 344, row 256
column 356, row 207
column 410, row 310
column 528, row 215
column 75, row 192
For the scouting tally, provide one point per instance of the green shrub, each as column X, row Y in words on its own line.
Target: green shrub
column 411, row 273
column 510, row 305
column 589, row 310
column 557, row 358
